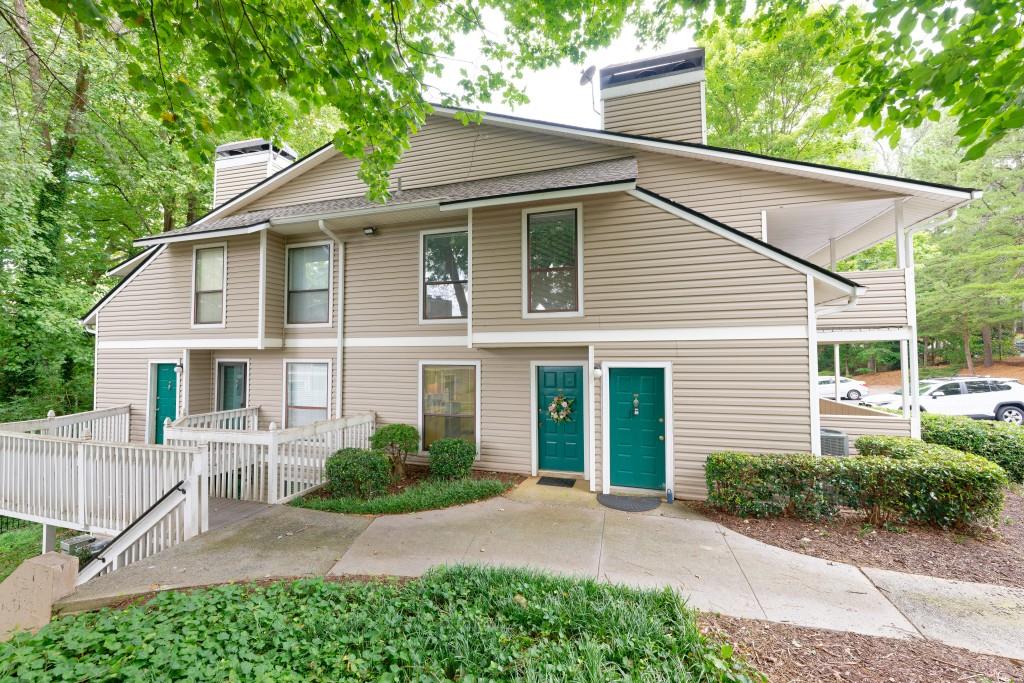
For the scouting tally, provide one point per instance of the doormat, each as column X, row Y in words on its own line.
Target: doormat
column 564, row 482
column 629, row 503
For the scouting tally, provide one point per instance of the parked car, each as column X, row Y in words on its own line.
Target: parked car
column 983, row 398
column 848, row 388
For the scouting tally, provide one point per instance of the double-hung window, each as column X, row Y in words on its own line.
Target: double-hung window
column 449, row 402
column 552, row 268
column 208, row 285
column 307, row 392
column 445, row 275
column 309, row 284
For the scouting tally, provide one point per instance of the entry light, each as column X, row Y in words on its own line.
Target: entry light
column 369, row 230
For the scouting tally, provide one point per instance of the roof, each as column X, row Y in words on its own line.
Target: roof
column 146, row 258
column 569, row 177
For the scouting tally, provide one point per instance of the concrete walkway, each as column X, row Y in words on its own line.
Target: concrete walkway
column 567, row 532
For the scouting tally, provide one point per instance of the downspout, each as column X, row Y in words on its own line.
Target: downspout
column 339, row 360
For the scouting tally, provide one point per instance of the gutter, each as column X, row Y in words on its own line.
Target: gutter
column 339, row 358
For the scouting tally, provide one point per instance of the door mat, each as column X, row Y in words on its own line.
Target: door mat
column 629, row 503
column 564, row 482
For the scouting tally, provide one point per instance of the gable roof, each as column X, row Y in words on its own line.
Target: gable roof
column 141, row 261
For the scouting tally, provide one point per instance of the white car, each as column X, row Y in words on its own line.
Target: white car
column 893, row 400
column 848, row 388
column 983, row 398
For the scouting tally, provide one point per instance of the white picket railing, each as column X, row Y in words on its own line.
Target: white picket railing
column 276, row 465
column 108, row 424
column 239, row 419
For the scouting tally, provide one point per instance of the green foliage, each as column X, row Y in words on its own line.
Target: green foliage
column 999, row 442
column 398, row 441
column 17, row 546
column 425, row 495
column 456, row 623
column 894, row 479
column 358, row 472
column 451, row 458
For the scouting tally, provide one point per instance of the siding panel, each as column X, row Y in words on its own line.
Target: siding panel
column 671, row 113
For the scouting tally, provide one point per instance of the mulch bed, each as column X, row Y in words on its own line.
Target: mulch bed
column 981, row 555
column 793, row 653
column 415, row 474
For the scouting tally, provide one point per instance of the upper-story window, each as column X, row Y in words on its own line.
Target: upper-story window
column 309, row 284
column 208, row 285
column 445, row 275
column 552, row 263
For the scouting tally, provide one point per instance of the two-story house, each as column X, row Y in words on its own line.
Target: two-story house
column 674, row 294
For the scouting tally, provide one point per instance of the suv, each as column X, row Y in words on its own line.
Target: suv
column 983, row 398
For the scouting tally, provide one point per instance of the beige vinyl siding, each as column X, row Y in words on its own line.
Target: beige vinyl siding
column 883, row 305
column 274, row 287
column 671, row 113
column 157, row 304
column 855, row 427
column 201, row 381
column 727, row 395
column 232, row 180
column 643, row 268
column 122, row 377
column 386, row 380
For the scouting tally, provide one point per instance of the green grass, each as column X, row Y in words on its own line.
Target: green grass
column 456, row 623
column 17, row 546
column 426, row 495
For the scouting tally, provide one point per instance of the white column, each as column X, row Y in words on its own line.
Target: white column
column 914, row 380
column 905, row 376
column 835, row 359
column 49, row 538
column 469, row 282
column 901, row 242
column 812, row 369
column 832, row 254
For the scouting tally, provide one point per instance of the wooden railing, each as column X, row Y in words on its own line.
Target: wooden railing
column 859, row 421
column 240, row 419
column 276, row 465
column 108, row 424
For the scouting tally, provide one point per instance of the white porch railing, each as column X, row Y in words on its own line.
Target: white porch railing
column 240, row 419
column 108, row 424
column 276, row 465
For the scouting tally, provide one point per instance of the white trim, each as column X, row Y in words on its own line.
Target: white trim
column 284, row 384
column 703, row 112
column 247, row 159
column 469, row 280
column 368, row 211
column 419, row 395
column 330, row 283
column 405, row 341
column 261, row 323
column 422, row 238
column 196, row 248
column 591, row 416
column 124, row 283
column 605, row 422
column 863, row 335
column 310, row 343
column 524, row 258
column 764, row 226
column 216, row 379
column 186, row 381
column 812, row 370
column 653, row 84
column 339, row 354
column 127, row 265
column 150, row 397
column 751, row 244
column 589, row 336
column 541, row 195
column 199, row 235
column 535, row 365
column 200, row 343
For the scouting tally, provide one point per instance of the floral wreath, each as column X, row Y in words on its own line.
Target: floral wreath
column 560, row 408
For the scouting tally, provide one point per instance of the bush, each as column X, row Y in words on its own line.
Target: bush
column 894, row 478
column 398, row 441
column 451, row 458
column 359, row 473
column 999, row 442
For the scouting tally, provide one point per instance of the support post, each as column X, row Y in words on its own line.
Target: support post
column 272, row 485
column 812, row 369
column 832, row 261
column 49, row 538
column 905, row 376
column 835, row 360
column 80, row 470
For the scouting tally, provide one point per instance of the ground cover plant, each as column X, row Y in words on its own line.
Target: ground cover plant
column 428, row 494
column 459, row 623
column 18, row 545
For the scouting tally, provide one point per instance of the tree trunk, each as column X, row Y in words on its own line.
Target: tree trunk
column 35, row 79
column 191, row 207
column 968, row 360
column 986, row 339
column 168, row 206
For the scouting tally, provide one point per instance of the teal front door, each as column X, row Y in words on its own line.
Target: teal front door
column 636, row 424
column 560, row 443
column 165, row 398
column 230, row 385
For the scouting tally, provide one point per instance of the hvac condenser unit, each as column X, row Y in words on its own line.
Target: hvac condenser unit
column 835, row 442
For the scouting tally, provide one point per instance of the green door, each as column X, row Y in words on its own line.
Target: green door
column 636, row 406
column 230, row 386
column 165, row 404
column 560, row 444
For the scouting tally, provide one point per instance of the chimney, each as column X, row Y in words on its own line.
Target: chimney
column 240, row 165
column 660, row 97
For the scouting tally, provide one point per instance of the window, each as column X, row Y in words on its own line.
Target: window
column 232, row 381
column 449, row 402
column 1001, row 386
column 307, row 390
column 551, row 269
column 951, row 389
column 825, row 381
column 208, row 286
column 978, row 387
column 445, row 275
column 309, row 284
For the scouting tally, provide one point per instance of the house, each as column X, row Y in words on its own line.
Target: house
column 673, row 295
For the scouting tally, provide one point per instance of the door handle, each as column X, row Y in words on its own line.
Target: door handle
column 661, row 437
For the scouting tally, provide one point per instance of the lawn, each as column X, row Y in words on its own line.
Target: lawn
column 456, row 623
column 425, row 495
column 17, row 546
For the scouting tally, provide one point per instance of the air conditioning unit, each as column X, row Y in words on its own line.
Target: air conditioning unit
column 835, row 442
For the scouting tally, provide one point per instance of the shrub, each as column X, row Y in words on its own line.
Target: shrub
column 999, row 442
column 398, row 441
column 901, row 447
column 357, row 472
column 769, row 485
column 451, row 458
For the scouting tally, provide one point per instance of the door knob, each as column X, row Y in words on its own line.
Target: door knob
column 661, row 437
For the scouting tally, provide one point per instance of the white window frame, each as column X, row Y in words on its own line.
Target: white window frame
column 586, row 392
column 525, row 259
column 330, row 283
column 284, row 385
column 216, row 378
column 151, row 364
column 419, row 395
column 440, row 321
column 223, row 286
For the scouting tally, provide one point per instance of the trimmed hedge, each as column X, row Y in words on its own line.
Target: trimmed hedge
column 451, row 458
column 358, row 473
column 999, row 442
column 895, row 478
